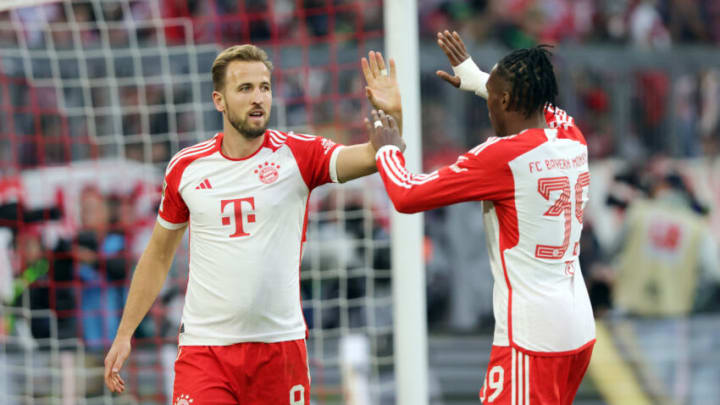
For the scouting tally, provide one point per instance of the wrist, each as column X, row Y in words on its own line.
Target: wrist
column 471, row 77
column 396, row 112
column 123, row 335
column 385, row 147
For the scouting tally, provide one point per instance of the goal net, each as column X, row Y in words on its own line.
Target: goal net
column 95, row 97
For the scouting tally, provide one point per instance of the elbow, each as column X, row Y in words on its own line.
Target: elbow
column 404, row 206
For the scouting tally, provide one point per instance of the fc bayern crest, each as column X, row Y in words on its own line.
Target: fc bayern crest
column 267, row 172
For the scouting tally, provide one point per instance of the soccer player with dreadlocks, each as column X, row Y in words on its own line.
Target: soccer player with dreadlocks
column 533, row 182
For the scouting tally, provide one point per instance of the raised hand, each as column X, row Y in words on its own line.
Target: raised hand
column 455, row 51
column 382, row 88
column 119, row 352
column 384, row 131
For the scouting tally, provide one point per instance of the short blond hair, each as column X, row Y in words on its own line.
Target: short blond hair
column 245, row 53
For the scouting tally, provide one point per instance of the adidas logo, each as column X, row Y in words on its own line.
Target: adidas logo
column 205, row 184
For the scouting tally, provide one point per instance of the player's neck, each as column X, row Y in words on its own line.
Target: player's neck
column 519, row 123
column 236, row 146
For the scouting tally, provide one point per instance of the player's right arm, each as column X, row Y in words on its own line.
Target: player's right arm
column 147, row 281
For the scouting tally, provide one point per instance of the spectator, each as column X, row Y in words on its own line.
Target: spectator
column 101, row 266
column 667, row 249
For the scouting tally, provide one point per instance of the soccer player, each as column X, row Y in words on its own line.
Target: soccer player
column 244, row 195
column 533, row 182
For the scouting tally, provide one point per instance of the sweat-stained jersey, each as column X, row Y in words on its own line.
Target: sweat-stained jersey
column 247, row 222
column 534, row 186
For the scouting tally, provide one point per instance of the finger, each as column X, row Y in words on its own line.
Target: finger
column 459, row 42
column 443, row 45
column 450, row 52
column 116, row 367
column 454, row 50
column 366, row 70
column 108, row 362
column 454, row 42
column 381, row 63
column 393, row 69
column 384, row 118
column 117, row 384
column 373, row 64
column 455, row 81
column 370, row 96
column 375, row 116
column 108, row 371
column 120, row 383
column 368, row 126
column 392, row 124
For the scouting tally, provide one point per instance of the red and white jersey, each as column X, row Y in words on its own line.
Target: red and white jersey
column 247, row 224
column 534, row 186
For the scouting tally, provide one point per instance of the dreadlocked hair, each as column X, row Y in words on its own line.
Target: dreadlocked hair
column 531, row 77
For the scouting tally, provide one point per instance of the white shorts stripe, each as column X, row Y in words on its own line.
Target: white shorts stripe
column 520, row 379
column 513, row 398
column 527, row 380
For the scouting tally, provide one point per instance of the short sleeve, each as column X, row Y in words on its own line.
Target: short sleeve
column 316, row 158
column 173, row 213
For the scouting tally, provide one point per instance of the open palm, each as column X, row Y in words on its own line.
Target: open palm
column 382, row 87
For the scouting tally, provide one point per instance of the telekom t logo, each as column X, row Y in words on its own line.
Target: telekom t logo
column 237, row 213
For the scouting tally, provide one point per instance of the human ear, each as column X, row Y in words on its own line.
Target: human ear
column 219, row 101
column 505, row 100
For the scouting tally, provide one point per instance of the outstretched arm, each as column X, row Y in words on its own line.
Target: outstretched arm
column 470, row 178
column 467, row 75
column 150, row 274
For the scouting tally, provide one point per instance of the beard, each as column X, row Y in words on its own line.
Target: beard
column 244, row 127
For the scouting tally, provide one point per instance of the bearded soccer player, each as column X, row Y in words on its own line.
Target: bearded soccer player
column 244, row 195
column 533, row 182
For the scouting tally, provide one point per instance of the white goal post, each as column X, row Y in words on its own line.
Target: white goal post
column 408, row 271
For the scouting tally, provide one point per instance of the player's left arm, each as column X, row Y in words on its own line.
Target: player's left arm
column 383, row 92
column 467, row 75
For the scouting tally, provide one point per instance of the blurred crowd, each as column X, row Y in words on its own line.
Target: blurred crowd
column 663, row 260
column 74, row 261
column 522, row 23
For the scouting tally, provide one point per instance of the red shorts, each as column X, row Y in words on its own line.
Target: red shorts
column 243, row 373
column 517, row 378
